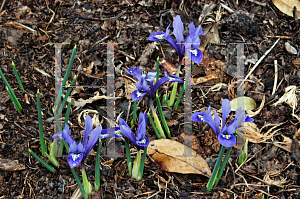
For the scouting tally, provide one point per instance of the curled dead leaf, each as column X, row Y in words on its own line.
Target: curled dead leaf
column 11, row 165
column 178, row 158
column 171, row 68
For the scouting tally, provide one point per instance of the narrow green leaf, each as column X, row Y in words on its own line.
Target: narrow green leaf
column 17, row 76
column 183, row 88
column 79, row 183
column 86, row 184
column 67, row 74
column 128, row 157
column 153, row 126
column 222, row 167
column 162, row 116
column 137, row 166
column 12, row 99
column 41, row 161
column 67, row 95
column 13, row 96
column 213, row 176
column 143, row 163
column 97, row 167
column 41, row 134
column 53, row 160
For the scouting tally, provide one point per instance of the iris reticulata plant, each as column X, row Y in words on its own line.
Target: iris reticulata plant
column 189, row 45
column 79, row 151
column 226, row 135
column 139, row 141
column 145, row 87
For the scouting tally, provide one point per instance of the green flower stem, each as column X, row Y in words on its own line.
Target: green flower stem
column 143, row 163
column 97, row 167
column 224, row 162
column 86, row 184
column 128, row 157
column 134, row 113
column 137, row 166
column 213, row 176
column 174, row 90
column 156, row 120
column 67, row 95
column 41, row 161
column 183, row 88
column 153, row 126
column 67, row 74
column 13, row 99
column 17, row 104
column 17, row 76
column 78, row 183
column 162, row 117
column 41, row 134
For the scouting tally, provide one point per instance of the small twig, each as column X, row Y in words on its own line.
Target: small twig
column 227, row 8
column 279, row 36
column 276, row 77
column 258, row 3
column 258, row 62
column 51, row 17
column 3, row 2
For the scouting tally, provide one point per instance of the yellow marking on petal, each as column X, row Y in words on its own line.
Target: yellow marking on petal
column 171, row 78
column 139, row 94
column 144, row 142
column 194, row 52
column 227, row 137
column 159, row 36
column 200, row 116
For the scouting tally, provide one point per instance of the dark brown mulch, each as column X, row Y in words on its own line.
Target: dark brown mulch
column 272, row 171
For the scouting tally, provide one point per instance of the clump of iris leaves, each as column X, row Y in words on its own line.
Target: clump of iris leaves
column 145, row 86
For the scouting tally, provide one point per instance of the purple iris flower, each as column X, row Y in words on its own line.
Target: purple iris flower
column 79, row 151
column 143, row 80
column 139, row 140
column 192, row 39
column 226, row 135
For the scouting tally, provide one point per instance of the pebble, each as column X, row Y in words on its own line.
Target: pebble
column 290, row 48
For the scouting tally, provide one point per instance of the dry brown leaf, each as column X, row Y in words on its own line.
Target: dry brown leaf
column 171, row 68
column 212, row 36
column 129, row 88
column 286, row 144
column 41, row 71
column 11, row 165
column 290, row 98
column 287, row 6
column 269, row 181
column 170, row 155
column 81, row 102
column 253, row 133
column 200, row 80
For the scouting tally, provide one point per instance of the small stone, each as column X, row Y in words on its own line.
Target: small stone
column 290, row 48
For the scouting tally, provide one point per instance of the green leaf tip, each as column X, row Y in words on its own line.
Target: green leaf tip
column 38, row 91
column 12, row 63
